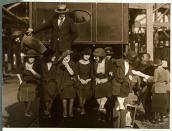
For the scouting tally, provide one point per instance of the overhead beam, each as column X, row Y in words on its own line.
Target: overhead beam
column 165, row 5
column 161, row 16
column 25, row 18
column 137, row 5
column 157, row 7
column 12, row 14
column 165, row 33
column 164, row 24
column 12, row 6
column 155, row 24
column 30, row 14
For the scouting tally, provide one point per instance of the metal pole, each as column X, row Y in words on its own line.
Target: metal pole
column 149, row 30
column 30, row 14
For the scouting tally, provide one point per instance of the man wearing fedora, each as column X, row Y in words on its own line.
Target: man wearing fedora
column 64, row 31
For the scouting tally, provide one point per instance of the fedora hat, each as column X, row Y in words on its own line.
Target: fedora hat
column 64, row 54
column 31, row 53
column 61, row 9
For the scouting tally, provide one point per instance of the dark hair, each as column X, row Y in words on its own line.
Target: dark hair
column 82, row 55
column 86, row 51
column 101, row 57
column 26, row 58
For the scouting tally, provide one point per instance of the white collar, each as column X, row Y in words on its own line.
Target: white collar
column 101, row 67
column 126, row 67
column 84, row 62
column 102, row 62
column 62, row 19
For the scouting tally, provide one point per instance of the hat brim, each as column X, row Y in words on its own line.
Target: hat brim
column 110, row 53
column 64, row 55
column 61, row 11
column 31, row 55
column 157, row 64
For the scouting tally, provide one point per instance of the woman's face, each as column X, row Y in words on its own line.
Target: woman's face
column 67, row 58
column 108, row 57
column 53, row 58
column 31, row 60
column 86, row 57
column 97, row 59
column 145, row 58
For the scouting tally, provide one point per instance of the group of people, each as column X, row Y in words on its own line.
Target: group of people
column 95, row 75
column 155, row 90
column 102, row 78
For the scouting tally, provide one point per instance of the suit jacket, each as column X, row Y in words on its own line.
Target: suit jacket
column 108, row 68
column 121, row 82
column 62, row 37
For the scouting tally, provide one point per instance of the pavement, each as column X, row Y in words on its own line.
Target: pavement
column 12, row 110
column 13, row 113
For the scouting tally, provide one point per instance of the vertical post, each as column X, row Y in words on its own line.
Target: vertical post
column 156, row 13
column 30, row 14
column 149, row 29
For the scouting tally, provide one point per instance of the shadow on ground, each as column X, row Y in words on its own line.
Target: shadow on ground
column 14, row 116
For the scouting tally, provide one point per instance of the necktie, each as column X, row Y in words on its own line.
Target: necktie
column 61, row 22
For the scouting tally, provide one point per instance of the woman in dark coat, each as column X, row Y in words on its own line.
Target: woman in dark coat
column 29, row 80
column 49, row 81
column 159, row 91
column 122, row 85
column 84, row 77
column 68, row 79
column 102, row 74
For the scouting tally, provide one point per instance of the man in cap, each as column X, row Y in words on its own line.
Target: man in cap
column 64, row 30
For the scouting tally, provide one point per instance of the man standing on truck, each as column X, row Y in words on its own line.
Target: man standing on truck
column 64, row 31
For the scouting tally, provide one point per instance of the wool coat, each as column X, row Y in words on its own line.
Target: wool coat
column 121, row 82
column 62, row 37
column 49, row 81
column 105, row 89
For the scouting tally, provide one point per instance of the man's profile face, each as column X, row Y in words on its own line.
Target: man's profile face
column 145, row 57
column 109, row 57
